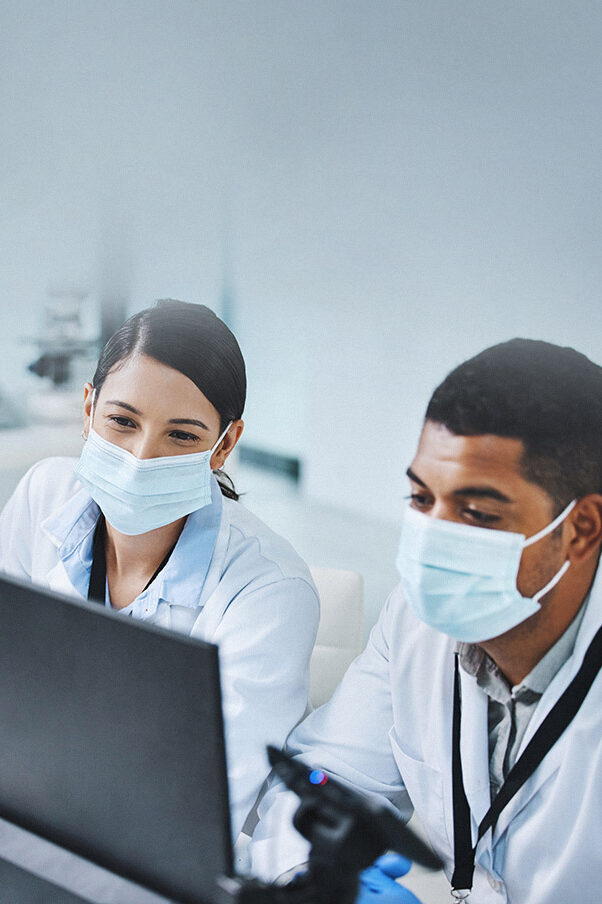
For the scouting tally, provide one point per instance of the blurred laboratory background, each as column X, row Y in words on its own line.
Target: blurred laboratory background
column 368, row 193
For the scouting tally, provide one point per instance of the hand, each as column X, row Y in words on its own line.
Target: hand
column 378, row 885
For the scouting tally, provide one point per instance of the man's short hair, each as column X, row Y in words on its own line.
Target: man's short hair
column 547, row 396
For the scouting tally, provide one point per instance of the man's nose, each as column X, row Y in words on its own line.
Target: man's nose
column 443, row 511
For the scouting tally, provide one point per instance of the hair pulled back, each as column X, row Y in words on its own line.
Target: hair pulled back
column 547, row 396
column 193, row 340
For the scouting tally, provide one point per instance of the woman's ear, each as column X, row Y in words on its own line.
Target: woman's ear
column 87, row 409
column 227, row 444
column 586, row 524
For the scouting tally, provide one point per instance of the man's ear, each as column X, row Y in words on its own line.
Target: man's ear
column 586, row 526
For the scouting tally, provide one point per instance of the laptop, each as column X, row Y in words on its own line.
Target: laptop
column 112, row 744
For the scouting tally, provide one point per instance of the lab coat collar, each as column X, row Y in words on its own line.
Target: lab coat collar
column 590, row 623
column 475, row 762
column 71, row 529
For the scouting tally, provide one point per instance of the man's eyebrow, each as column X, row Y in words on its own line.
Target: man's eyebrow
column 188, row 420
column 415, row 478
column 483, row 493
column 123, row 405
column 473, row 492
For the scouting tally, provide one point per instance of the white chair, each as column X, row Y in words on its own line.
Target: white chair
column 339, row 637
column 338, row 642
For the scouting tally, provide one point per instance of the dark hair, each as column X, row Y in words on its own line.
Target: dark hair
column 192, row 339
column 547, row 396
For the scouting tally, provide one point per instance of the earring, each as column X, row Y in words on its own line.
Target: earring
column 84, row 435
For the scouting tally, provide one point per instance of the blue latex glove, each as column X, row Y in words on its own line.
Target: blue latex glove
column 378, row 885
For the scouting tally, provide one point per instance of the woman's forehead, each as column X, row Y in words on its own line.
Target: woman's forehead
column 154, row 387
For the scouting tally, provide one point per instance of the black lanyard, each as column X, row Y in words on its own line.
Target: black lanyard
column 542, row 741
column 98, row 572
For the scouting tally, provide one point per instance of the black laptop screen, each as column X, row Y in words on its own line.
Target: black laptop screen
column 112, row 741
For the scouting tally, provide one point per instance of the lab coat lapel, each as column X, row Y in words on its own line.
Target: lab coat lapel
column 543, row 772
column 57, row 579
column 474, row 749
column 558, row 685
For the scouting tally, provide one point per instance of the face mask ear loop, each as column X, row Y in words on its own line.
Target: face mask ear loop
column 542, row 533
column 548, row 530
column 219, row 439
column 559, row 574
column 91, row 413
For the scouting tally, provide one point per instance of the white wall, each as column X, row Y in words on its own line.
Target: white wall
column 405, row 183
column 480, row 155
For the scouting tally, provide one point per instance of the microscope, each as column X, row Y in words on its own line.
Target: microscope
column 347, row 832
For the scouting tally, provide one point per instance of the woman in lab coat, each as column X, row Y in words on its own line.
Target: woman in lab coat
column 147, row 523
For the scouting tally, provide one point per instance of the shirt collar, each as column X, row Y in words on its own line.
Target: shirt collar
column 476, row 662
column 72, row 522
column 71, row 530
column 541, row 674
column 182, row 579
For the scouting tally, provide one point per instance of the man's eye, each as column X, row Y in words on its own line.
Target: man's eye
column 482, row 517
column 419, row 500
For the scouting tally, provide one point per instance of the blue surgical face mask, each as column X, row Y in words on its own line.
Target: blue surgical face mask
column 461, row 579
column 137, row 495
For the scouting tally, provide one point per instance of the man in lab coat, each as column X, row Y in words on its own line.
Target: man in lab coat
column 498, row 606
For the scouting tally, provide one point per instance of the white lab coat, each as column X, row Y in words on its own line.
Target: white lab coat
column 388, row 730
column 254, row 597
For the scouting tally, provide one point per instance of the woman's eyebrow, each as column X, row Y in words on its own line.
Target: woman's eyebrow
column 123, row 405
column 174, row 420
column 188, row 420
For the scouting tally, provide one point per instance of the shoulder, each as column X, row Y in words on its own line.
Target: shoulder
column 51, row 480
column 60, row 468
column 47, row 484
column 252, row 545
column 258, row 579
column 44, row 491
column 411, row 646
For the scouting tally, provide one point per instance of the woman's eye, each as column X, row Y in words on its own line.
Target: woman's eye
column 181, row 436
column 121, row 421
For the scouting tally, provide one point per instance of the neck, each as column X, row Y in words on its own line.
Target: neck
column 141, row 554
column 517, row 652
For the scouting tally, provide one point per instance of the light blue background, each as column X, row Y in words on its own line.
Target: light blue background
column 390, row 186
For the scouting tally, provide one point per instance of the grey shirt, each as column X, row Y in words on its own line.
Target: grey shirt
column 510, row 708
